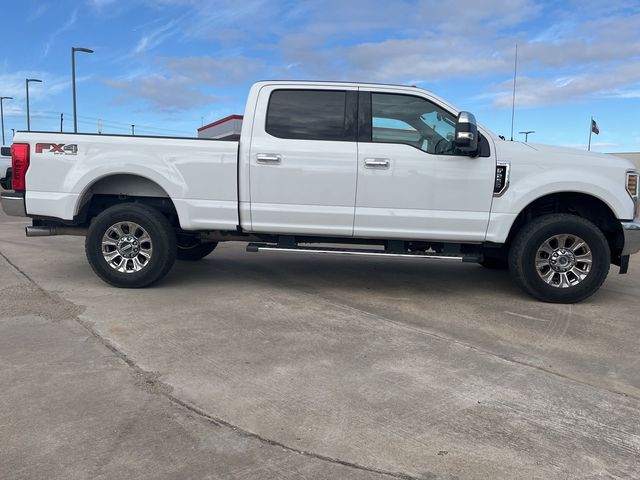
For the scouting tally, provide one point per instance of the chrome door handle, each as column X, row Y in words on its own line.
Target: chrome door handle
column 269, row 158
column 377, row 162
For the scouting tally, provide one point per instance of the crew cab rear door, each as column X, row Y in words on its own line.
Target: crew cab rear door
column 411, row 182
column 303, row 160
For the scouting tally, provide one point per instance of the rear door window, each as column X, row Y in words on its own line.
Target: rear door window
column 312, row 115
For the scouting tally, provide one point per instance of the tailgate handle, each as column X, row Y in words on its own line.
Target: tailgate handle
column 269, row 158
column 376, row 162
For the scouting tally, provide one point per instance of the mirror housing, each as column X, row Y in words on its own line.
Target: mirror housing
column 466, row 139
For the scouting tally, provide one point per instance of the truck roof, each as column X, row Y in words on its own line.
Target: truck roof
column 343, row 84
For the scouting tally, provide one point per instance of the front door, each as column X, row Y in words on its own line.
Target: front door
column 411, row 182
column 303, row 163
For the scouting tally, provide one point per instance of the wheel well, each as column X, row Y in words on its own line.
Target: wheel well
column 580, row 204
column 124, row 188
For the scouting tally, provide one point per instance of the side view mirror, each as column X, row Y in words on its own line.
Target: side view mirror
column 466, row 140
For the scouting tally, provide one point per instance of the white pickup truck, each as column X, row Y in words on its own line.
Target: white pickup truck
column 338, row 168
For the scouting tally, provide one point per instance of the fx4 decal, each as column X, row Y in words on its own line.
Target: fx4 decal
column 57, row 148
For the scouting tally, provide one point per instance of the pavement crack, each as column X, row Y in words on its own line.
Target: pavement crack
column 151, row 382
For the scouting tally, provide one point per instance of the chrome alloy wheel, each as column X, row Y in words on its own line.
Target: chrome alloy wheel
column 564, row 261
column 127, row 247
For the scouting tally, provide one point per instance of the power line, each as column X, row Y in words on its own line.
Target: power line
column 112, row 124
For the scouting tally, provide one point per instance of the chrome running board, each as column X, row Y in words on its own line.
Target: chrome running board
column 263, row 247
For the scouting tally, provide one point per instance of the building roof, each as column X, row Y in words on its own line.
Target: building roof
column 222, row 120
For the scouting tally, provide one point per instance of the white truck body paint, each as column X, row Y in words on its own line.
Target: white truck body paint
column 321, row 187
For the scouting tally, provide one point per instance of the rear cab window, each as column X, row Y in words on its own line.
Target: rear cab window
column 312, row 114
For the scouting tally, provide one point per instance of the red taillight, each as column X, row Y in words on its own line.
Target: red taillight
column 19, row 165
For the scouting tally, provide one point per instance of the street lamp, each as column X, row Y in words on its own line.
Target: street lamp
column 26, row 83
column 526, row 134
column 73, row 81
column 2, row 115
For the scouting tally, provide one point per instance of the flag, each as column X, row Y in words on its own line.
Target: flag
column 594, row 127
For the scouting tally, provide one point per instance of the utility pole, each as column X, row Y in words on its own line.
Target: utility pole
column 73, row 82
column 2, row 114
column 61, row 121
column 133, row 129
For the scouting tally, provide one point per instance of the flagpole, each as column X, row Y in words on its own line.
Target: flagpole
column 590, row 132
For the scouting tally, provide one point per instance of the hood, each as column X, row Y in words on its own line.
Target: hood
column 517, row 152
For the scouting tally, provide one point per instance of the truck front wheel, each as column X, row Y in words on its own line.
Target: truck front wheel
column 130, row 245
column 560, row 258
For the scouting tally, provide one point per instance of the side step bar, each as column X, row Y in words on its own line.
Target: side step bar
column 265, row 247
column 52, row 231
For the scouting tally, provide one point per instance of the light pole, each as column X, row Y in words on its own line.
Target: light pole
column 26, row 83
column 133, row 129
column 526, row 134
column 2, row 114
column 73, row 81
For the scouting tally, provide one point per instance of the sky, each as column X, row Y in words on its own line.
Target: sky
column 168, row 66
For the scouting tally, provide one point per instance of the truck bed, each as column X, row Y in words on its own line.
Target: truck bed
column 199, row 175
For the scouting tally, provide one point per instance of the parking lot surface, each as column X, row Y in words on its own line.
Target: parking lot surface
column 290, row 366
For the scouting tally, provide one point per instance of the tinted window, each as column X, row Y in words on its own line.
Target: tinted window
column 412, row 120
column 309, row 115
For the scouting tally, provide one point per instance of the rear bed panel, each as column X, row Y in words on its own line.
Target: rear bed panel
column 198, row 175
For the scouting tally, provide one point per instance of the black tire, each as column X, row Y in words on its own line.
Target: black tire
column 191, row 249
column 162, row 245
column 528, row 241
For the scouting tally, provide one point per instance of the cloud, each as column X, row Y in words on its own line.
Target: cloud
column 404, row 41
column 100, row 5
column 621, row 81
column 178, row 85
column 212, row 70
column 157, row 36
column 162, row 93
column 65, row 26
column 13, row 85
column 39, row 11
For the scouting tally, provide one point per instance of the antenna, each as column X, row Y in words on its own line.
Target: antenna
column 513, row 104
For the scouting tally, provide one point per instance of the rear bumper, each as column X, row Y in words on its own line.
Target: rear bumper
column 631, row 232
column 13, row 203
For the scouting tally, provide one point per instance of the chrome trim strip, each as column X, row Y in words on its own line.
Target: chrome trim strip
column 507, row 174
column 13, row 204
column 352, row 252
column 634, row 198
column 631, row 232
column 626, row 185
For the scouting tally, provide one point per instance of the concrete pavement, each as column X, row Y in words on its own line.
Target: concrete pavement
column 275, row 366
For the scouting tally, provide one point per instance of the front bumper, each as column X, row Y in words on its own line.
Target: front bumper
column 13, row 203
column 631, row 232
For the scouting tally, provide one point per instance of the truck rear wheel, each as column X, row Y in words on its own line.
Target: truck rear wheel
column 130, row 245
column 191, row 248
column 560, row 258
